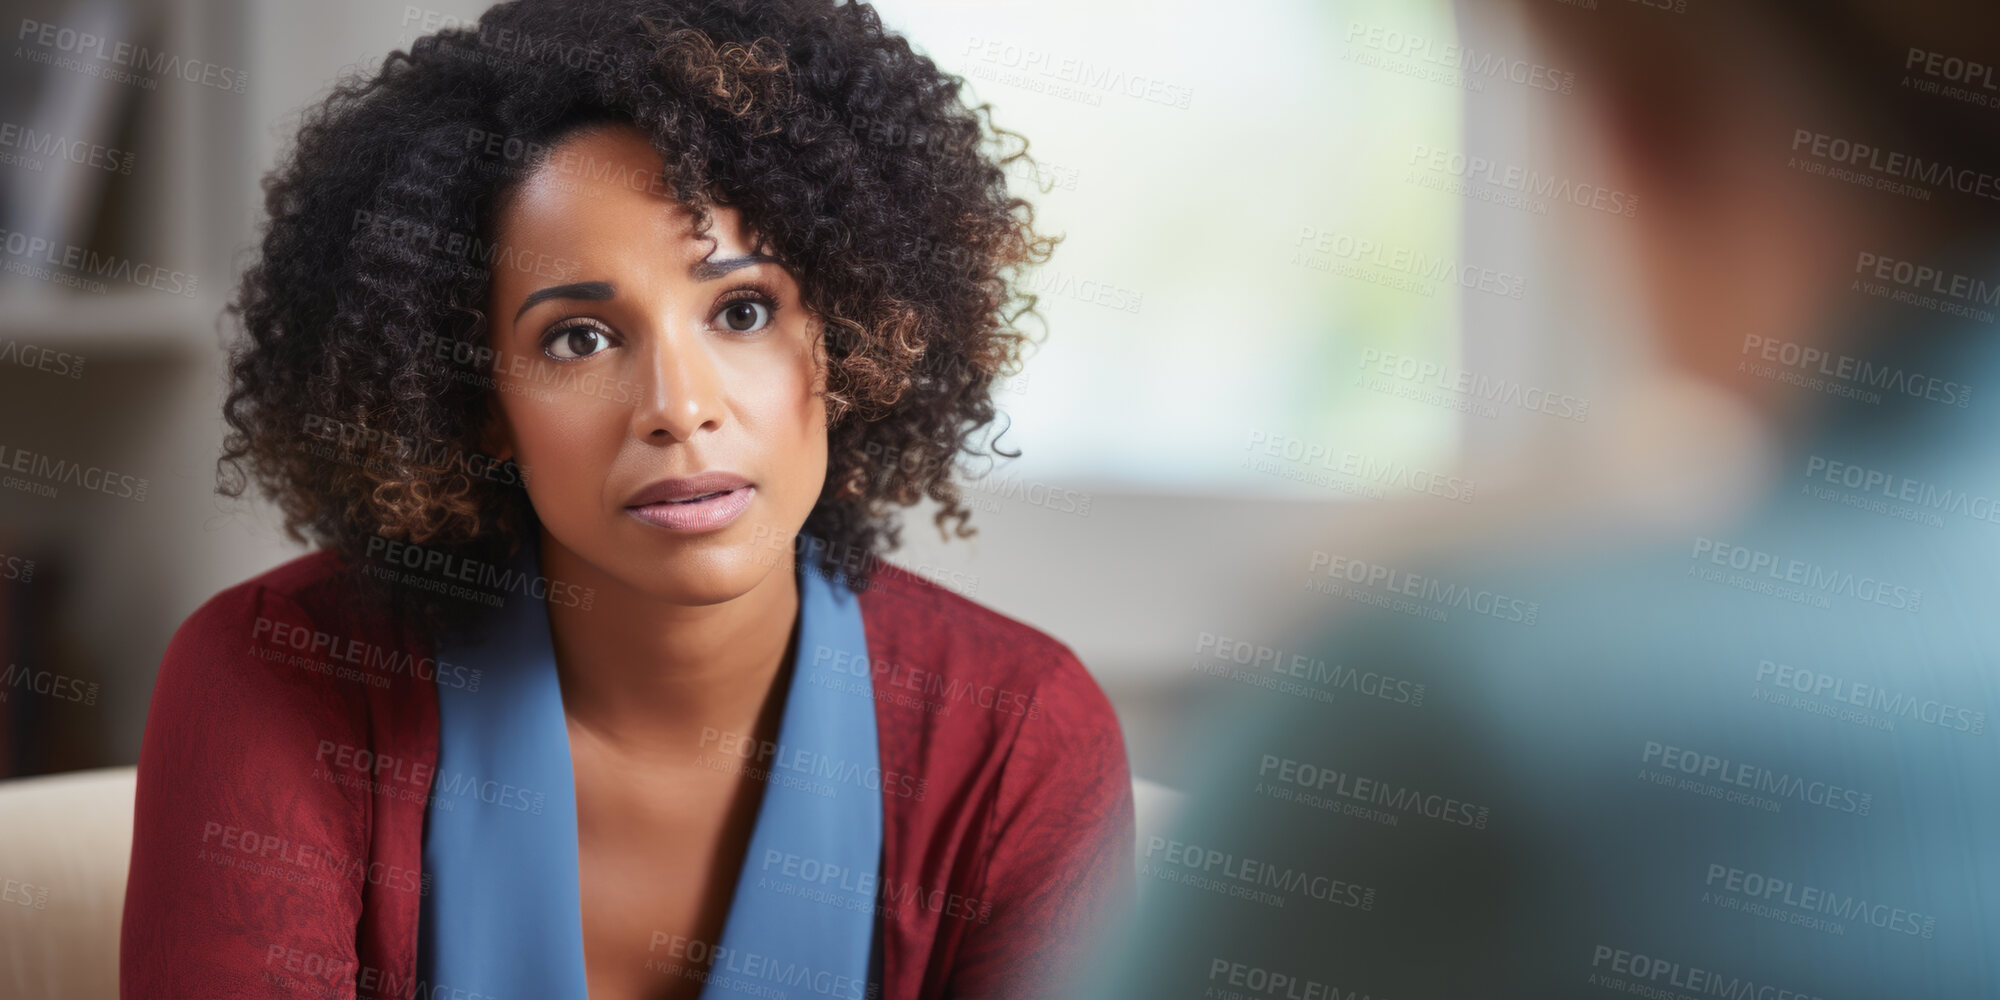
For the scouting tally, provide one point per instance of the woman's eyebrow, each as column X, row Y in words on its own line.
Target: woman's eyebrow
column 709, row 270
column 593, row 290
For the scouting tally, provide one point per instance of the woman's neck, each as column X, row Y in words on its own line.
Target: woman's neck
column 663, row 680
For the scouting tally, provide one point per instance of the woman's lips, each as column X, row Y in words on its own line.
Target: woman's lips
column 705, row 513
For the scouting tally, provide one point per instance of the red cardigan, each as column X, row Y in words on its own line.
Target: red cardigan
column 255, row 875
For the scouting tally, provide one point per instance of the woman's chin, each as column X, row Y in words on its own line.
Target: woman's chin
column 706, row 578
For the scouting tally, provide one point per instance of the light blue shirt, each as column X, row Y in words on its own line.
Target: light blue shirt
column 502, row 917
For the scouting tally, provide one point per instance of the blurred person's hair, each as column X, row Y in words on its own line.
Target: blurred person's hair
column 1676, row 89
column 1854, row 67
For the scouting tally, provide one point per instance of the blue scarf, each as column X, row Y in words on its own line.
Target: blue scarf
column 502, row 919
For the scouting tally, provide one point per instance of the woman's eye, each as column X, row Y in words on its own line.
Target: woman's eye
column 574, row 342
column 745, row 316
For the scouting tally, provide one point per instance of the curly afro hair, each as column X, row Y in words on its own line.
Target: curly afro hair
column 851, row 156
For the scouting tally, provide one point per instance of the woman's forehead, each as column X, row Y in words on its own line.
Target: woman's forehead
column 603, row 190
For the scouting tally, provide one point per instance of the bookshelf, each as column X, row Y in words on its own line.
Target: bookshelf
column 121, row 373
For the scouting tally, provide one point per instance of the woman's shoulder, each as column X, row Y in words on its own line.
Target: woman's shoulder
column 1023, row 801
column 943, row 653
column 316, row 588
column 314, row 585
column 258, row 807
column 295, row 631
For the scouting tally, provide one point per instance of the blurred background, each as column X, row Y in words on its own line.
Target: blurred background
column 1257, row 211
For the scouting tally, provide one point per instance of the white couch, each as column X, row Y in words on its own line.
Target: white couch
column 65, row 842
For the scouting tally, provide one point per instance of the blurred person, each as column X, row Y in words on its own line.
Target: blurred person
column 598, row 346
column 1708, row 715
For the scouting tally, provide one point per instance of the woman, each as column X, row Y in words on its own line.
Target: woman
column 596, row 345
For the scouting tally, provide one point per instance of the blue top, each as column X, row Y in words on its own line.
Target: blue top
column 503, row 917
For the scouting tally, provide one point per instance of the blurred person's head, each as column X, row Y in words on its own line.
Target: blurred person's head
column 1779, row 150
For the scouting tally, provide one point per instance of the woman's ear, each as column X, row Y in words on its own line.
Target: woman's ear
column 497, row 437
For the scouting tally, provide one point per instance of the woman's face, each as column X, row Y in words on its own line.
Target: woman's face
column 663, row 399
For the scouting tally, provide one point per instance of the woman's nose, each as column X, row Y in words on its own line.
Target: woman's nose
column 681, row 389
